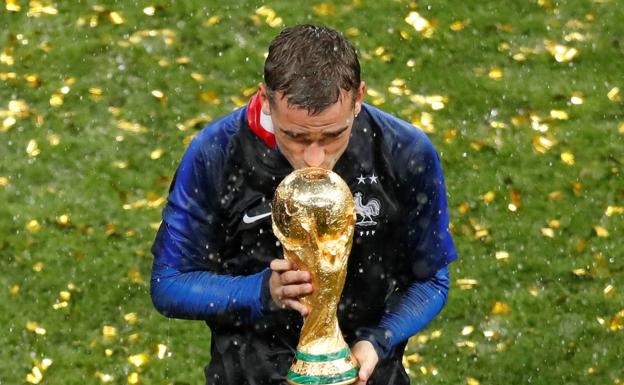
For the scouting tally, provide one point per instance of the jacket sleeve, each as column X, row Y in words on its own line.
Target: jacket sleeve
column 430, row 242
column 184, row 282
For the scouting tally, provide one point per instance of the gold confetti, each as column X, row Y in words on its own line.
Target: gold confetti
column 324, row 9
column 14, row 290
column 352, row 32
column 621, row 128
column 130, row 127
column 575, row 36
column 436, row 102
column 608, row 291
column 109, row 331
column 505, row 27
column 158, row 94
column 131, row 318
column 161, row 351
column 488, row 197
column 56, row 100
column 119, row 164
column 104, row 377
column 32, row 148
column 577, row 98
column 149, row 11
column 496, row 73
column 53, row 139
column 7, row 123
column 6, row 58
column 548, row 232
column 497, row 124
column 472, row 381
column 157, row 154
column 424, row 121
column 560, row 52
column 515, row 199
column 138, row 360
column 38, row 8
column 577, row 188
column 133, row 338
column 63, row 220
column 467, row 330
column 554, row 224
column 617, row 322
column 458, row 25
column 34, row 327
column 502, row 255
column 135, row 275
column 491, row 334
column 13, row 6
column 420, row 24
column 133, row 378
column 270, row 16
column 542, row 144
column 33, row 226
column 116, row 18
column 212, row 20
column 581, row 272
column 500, row 308
column 4, row 181
column 209, row 97
column 559, row 114
column 610, row 211
column 614, row 94
column 38, row 267
column 601, row 231
column 194, row 122
column 534, row 291
column 466, row 344
column 466, row 283
column 568, row 158
column 60, row 305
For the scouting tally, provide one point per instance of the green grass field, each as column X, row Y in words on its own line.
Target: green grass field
column 523, row 100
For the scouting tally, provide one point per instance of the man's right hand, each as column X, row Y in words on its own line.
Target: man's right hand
column 288, row 284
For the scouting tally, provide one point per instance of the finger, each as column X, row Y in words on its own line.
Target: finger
column 295, row 291
column 291, row 277
column 296, row 305
column 281, row 265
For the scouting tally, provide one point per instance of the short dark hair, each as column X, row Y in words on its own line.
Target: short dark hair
column 311, row 65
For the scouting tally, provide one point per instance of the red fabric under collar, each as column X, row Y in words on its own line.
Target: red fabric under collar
column 253, row 118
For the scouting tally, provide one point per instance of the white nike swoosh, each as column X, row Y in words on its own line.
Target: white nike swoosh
column 247, row 219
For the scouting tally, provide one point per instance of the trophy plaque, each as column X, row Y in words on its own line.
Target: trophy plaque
column 314, row 218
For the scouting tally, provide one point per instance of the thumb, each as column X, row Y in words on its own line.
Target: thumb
column 367, row 358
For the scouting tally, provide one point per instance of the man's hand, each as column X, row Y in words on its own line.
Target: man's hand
column 366, row 355
column 287, row 284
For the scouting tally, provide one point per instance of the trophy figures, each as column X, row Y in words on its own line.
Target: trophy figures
column 314, row 218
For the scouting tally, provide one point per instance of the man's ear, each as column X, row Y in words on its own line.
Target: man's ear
column 359, row 99
column 264, row 99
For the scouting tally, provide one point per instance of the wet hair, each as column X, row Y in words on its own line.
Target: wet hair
column 311, row 65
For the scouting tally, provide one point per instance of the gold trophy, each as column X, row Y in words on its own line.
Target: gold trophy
column 314, row 218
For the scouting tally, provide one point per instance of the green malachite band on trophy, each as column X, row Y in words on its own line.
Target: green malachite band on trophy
column 319, row 380
column 344, row 353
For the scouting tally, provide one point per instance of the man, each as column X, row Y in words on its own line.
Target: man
column 216, row 258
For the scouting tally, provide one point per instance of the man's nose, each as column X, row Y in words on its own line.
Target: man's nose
column 314, row 155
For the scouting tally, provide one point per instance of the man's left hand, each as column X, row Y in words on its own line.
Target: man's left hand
column 367, row 357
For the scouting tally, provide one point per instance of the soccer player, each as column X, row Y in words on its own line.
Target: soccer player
column 216, row 258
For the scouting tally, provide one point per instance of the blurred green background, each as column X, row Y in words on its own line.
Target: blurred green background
column 523, row 100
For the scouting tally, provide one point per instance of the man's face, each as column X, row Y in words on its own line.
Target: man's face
column 313, row 140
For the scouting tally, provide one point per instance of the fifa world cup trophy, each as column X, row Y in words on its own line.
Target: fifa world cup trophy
column 314, row 218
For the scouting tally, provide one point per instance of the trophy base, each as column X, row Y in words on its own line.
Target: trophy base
column 339, row 368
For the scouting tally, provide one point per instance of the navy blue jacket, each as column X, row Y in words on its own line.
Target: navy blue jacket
column 214, row 246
